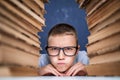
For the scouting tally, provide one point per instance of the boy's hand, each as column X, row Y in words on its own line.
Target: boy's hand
column 77, row 69
column 48, row 69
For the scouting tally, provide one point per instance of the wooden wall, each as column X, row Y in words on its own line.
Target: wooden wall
column 103, row 19
column 20, row 21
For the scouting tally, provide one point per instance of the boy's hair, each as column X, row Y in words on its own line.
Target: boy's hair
column 63, row 29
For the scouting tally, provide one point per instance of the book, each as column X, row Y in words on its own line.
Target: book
column 19, row 21
column 23, row 15
column 104, row 69
column 18, row 28
column 105, row 23
column 36, row 8
column 17, row 43
column 104, row 45
column 18, row 71
column 93, row 5
column 103, row 12
column 29, row 12
column 5, row 28
column 104, row 33
column 15, row 56
column 113, row 56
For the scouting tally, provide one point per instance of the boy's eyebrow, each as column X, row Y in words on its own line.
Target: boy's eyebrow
column 62, row 47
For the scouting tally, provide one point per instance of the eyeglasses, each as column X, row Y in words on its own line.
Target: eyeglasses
column 55, row 51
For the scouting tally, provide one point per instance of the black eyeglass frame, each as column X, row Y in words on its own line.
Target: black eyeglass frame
column 76, row 47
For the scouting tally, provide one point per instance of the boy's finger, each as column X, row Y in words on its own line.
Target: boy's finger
column 56, row 72
column 52, row 70
column 70, row 71
column 75, row 72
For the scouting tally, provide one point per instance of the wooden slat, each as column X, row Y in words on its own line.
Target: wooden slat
column 17, row 57
column 28, row 11
column 19, row 13
column 7, row 71
column 13, row 42
column 4, row 71
column 17, row 34
column 1, row 58
column 106, row 22
column 108, row 57
column 96, row 6
column 103, row 12
column 34, row 7
column 91, row 5
column 108, row 31
column 19, row 21
column 105, row 69
column 102, row 51
column 106, row 43
column 81, row 2
column 18, row 28
column 40, row 3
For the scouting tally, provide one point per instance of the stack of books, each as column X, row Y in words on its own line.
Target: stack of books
column 20, row 22
column 103, row 19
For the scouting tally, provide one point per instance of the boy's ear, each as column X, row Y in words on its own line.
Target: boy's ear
column 78, row 48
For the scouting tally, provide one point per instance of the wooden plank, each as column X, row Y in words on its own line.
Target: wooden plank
column 31, row 4
column 22, row 15
column 91, row 5
column 104, row 69
column 12, row 70
column 114, row 17
column 102, row 13
column 18, row 28
column 81, row 2
column 103, row 50
column 96, row 6
column 105, row 58
column 18, row 21
column 1, row 58
column 14, row 42
column 108, row 31
column 4, row 71
column 40, row 3
column 28, row 11
column 45, row 1
column 106, row 43
column 17, row 34
column 17, row 57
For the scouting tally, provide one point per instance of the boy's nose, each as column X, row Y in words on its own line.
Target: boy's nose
column 61, row 55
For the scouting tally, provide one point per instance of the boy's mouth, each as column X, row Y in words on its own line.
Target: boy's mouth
column 61, row 63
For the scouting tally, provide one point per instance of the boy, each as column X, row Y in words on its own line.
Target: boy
column 64, row 57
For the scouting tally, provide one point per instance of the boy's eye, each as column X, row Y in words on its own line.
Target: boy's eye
column 54, row 48
column 68, row 48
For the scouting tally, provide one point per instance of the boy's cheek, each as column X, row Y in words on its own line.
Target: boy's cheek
column 69, row 61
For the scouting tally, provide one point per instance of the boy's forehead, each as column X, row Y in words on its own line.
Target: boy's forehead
column 66, row 40
column 61, row 36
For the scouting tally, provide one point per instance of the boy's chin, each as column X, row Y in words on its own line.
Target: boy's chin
column 62, row 70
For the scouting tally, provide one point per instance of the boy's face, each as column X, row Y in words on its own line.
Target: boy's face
column 62, row 62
